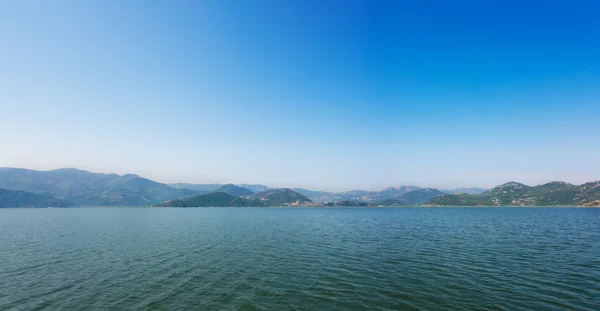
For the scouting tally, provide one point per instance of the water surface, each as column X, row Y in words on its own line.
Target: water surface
column 300, row 259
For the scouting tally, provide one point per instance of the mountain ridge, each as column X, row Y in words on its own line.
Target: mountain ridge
column 555, row 193
column 85, row 188
column 234, row 190
column 280, row 197
column 213, row 199
column 90, row 189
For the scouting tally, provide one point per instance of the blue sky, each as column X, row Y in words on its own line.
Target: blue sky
column 335, row 96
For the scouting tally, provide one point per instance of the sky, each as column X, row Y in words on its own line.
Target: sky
column 331, row 95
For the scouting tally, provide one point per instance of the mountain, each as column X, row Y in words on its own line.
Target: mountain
column 280, row 197
column 90, row 189
column 60, row 182
column 420, row 196
column 215, row 199
column 254, row 187
column 373, row 196
column 13, row 198
column 213, row 187
column 555, row 193
column 396, row 192
column 316, row 196
column 415, row 197
column 472, row 190
column 198, row 187
column 234, row 190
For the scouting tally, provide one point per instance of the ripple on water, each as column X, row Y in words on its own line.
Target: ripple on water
column 300, row 259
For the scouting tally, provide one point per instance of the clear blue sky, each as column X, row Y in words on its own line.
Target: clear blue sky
column 331, row 95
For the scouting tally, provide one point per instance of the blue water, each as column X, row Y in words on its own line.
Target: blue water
column 300, row 259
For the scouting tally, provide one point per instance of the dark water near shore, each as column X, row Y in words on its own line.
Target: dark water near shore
column 300, row 259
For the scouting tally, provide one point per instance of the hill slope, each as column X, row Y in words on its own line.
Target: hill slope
column 280, row 197
column 472, row 190
column 415, row 197
column 12, row 198
column 254, row 187
column 420, row 196
column 592, row 203
column 213, row 187
column 90, row 189
column 516, row 194
column 215, row 199
column 316, row 196
column 374, row 196
column 198, row 187
column 234, row 190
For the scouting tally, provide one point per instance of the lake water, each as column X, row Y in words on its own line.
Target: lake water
column 300, row 259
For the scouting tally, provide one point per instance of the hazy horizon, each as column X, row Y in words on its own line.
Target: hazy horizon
column 309, row 187
column 325, row 96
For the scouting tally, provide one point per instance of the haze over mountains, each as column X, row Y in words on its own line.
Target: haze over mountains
column 90, row 189
column 14, row 198
column 70, row 187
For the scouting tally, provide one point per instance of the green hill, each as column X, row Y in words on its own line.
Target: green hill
column 234, row 190
column 11, row 198
column 280, row 197
column 516, row 194
column 419, row 196
column 214, row 199
column 213, row 187
column 374, row 196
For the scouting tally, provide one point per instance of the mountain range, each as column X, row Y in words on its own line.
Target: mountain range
column 70, row 187
column 279, row 197
column 472, row 190
column 234, row 190
column 214, row 187
column 90, row 189
column 555, row 193
column 270, row 197
column 213, row 199
column 15, row 198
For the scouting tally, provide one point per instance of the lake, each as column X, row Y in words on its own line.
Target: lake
column 300, row 259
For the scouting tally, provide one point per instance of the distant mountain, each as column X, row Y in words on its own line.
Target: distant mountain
column 316, row 196
column 374, row 196
column 516, row 194
column 90, row 189
column 280, row 197
column 415, row 197
column 472, row 190
column 395, row 192
column 213, row 187
column 234, row 190
column 254, row 187
column 420, row 196
column 215, row 199
column 198, row 187
column 13, row 198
